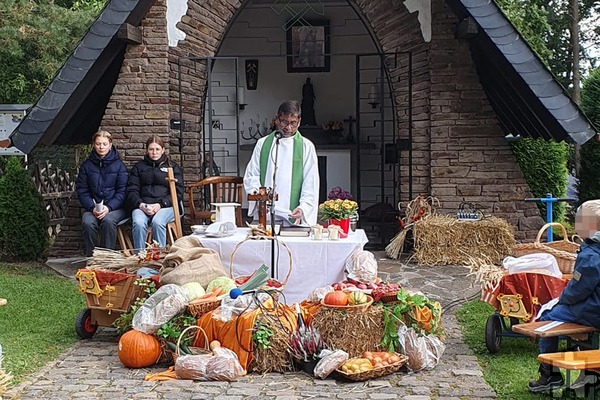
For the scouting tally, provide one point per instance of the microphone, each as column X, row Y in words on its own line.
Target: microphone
column 278, row 135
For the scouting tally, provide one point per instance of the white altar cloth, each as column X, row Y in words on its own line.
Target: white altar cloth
column 315, row 263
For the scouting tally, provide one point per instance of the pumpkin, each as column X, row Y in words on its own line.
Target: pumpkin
column 137, row 349
column 336, row 298
column 357, row 297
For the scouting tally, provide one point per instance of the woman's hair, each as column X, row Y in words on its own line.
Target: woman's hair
column 103, row 134
column 155, row 139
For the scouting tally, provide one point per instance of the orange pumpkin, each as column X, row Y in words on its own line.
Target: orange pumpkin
column 336, row 298
column 137, row 349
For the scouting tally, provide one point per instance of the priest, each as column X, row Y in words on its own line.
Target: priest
column 296, row 176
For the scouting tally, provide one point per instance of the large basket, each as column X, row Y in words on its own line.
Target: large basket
column 375, row 372
column 563, row 250
column 350, row 308
column 285, row 246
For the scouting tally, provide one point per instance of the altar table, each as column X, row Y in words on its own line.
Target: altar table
column 315, row 263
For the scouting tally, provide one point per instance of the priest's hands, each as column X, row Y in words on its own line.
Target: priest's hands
column 298, row 215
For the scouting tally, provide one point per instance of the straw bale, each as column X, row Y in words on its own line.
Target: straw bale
column 276, row 358
column 444, row 240
column 353, row 332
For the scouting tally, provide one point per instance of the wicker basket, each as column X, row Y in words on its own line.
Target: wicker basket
column 375, row 372
column 193, row 350
column 353, row 308
column 199, row 309
column 563, row 250
column 391, row 297
column 287, row 277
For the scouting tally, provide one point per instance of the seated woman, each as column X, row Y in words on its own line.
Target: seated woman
column 100, row 187
column 148, row 194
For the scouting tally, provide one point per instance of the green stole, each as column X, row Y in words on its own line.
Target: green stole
column 297, row 170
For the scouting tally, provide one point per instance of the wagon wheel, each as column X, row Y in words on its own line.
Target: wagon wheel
column 493, row 333
column 84, row 326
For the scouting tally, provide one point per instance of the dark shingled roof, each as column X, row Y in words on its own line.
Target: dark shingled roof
column 523, row 92
column 66, row 111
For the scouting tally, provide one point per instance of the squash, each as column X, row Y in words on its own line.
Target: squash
column 357, row 297
column 336, row 298
column 137, row 349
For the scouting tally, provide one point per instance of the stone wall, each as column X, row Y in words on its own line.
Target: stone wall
column 459, row 153
column 470, row 159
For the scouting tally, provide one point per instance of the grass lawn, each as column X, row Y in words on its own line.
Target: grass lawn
column 38, row 322
column 509, row 370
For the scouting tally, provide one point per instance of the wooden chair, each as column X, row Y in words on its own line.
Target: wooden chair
column 214, row 189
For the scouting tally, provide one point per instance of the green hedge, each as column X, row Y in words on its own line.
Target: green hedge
column 544, row 166
column 23, row 220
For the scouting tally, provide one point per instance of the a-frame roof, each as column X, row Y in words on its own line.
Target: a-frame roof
column 75, row 100
column 524, row 94
column 526, row 97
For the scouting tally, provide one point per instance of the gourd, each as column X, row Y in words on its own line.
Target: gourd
column 336, row 298
column 357, row 297
column 137, row 349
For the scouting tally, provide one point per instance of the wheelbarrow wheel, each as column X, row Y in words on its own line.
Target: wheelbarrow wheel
column 493, row 333
column 84, row 326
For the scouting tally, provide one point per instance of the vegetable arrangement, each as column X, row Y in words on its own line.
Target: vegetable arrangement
column 415, row 311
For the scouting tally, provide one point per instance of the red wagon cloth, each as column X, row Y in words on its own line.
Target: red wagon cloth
column 529, row 285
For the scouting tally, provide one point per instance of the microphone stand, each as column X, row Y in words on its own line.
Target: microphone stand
column 272, row 210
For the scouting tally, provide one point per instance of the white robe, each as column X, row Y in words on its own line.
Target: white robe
column 309, row 195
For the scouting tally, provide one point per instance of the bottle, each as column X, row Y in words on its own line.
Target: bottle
column 301, row 324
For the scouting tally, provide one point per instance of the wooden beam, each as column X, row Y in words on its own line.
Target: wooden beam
column 130, row 34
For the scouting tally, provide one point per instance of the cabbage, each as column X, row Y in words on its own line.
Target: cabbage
column 193, row 290
column 224, row 282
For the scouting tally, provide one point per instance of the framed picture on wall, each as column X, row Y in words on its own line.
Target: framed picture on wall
column 308, row 47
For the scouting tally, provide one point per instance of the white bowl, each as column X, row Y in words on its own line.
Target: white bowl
column 198, row 229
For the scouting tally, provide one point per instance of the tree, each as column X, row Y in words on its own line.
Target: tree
column 35, row 39
column 589, row 179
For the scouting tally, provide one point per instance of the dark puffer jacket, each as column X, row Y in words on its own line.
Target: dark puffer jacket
column 148, row 183
column 582, row 293
column 102, row 179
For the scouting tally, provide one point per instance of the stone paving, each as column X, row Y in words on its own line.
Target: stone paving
column 91, row 369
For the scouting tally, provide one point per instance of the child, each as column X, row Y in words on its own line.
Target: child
column 580, row 300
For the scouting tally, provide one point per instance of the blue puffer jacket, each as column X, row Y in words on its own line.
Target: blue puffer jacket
column 102, row 179
column 582, row 293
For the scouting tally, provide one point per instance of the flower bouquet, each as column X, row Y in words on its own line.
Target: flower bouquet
column 338, row 212
column 305, row 345
column 332, row 126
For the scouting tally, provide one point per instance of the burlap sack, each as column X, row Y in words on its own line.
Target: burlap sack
column 188, row 261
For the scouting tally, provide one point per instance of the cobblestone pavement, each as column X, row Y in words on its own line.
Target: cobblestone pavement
column 91, row 369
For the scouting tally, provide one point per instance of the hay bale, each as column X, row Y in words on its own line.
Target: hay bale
column 275, row 358
column 443, row 240
column 353, row 332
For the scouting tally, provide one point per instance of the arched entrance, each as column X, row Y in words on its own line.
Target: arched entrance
column 258, row 65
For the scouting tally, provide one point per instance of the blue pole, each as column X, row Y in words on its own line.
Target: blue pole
column 549, row 201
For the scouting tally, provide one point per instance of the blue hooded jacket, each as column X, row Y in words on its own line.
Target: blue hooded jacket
column 102, row 179
column 582, row 293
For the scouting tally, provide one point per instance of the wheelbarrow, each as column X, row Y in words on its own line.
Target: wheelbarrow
column 517, row 299
column 108, row 295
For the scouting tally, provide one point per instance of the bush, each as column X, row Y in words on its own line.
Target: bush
column 23, row 220
column 589, row 172
column 544, row 166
